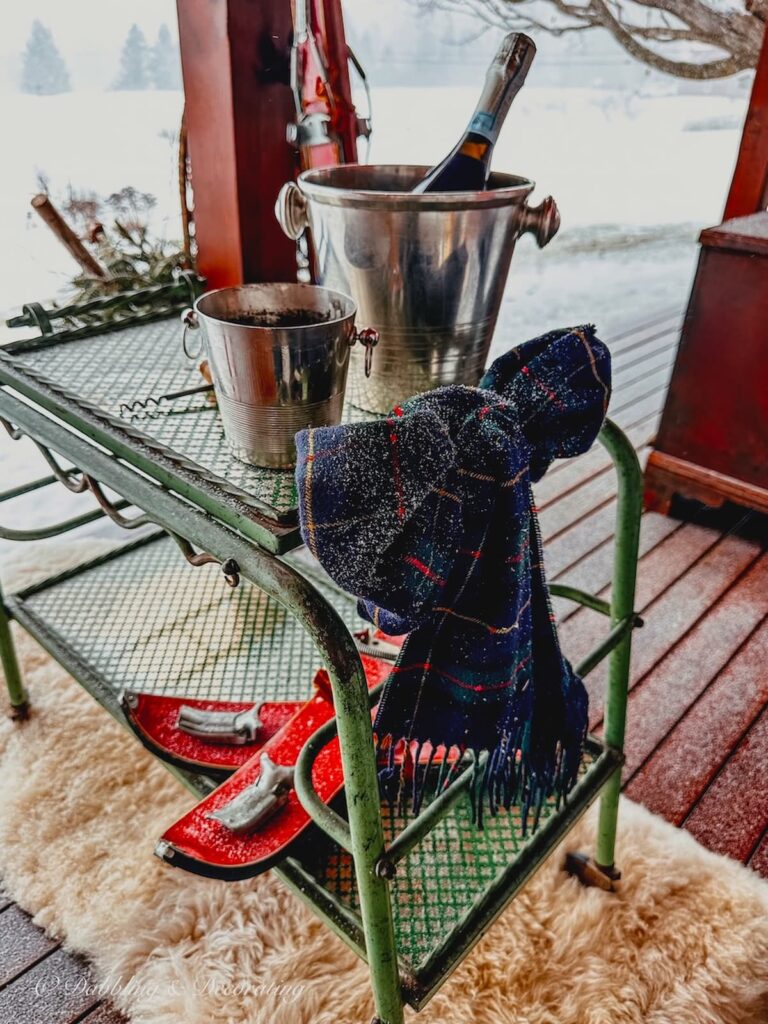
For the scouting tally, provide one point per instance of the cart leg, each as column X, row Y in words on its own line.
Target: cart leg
column 10, row 664
column 629, row 510
column 615, row 721
column 361, row 785
column 369, row 856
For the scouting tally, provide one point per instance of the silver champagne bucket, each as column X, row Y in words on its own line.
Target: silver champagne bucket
column 427, row 271
column 278, row 355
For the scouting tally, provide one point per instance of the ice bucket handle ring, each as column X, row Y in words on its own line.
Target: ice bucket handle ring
column 291, row 210
column 190, row 322
column 369, row 338
column 542, row 221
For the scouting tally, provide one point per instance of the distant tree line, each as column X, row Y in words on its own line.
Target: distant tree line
column 44, row 71
column 149, row 67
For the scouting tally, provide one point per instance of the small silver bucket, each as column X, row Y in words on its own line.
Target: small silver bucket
column 427, row 271
column 278, row 356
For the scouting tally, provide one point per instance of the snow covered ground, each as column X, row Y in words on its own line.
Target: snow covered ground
column 635, row 175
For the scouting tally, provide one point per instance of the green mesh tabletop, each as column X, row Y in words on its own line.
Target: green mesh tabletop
column 450, row 886
column 143, row 618
column 130, row 364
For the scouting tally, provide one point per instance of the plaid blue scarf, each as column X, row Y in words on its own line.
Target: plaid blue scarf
column 428, row 517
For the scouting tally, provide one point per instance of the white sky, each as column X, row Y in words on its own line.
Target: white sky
column 82, row 25
column 79, row 25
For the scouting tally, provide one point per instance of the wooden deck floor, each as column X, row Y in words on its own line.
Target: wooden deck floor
column 697, row 738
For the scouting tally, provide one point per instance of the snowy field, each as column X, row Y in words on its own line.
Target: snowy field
column 636, row 177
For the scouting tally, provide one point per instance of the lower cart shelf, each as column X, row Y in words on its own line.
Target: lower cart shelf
column 450, row 887
column 140, row 617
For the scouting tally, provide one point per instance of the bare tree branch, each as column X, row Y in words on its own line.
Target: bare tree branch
column 649, row 30
column 682, row 69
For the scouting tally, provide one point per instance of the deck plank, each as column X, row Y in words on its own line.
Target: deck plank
column 582, row 500
column 105, row 1014
column 595, row 570
column 657, row 570
column 626, row 341
column 569, row 474
column 22, row 944
column 626, row 361
column 651, row 403
column 579, row 540
column 690, row 753
column 731, row 815
column 670, row 616
column 642, row 368
column 627, row 398
column 759, row 860
column 657, row 704
column 54, row 991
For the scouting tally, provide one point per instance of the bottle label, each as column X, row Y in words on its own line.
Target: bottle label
column 484, row 124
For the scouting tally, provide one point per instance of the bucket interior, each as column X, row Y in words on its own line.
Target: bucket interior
column 399, row 180
column 276, row 306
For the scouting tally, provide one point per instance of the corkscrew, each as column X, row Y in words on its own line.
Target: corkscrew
column 154, row 405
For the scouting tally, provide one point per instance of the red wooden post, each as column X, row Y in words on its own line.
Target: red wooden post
column 749, row 187
column 330, row 19
column 235, row 61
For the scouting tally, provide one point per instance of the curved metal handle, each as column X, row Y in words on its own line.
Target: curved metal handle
column 291, row 210
column 542, row 221
column 190, row 322
column 369, row 338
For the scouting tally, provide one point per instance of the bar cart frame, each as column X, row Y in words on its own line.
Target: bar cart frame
column 213, row 520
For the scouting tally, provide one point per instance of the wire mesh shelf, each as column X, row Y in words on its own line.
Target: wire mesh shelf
column 142, row 618
column 450, row 886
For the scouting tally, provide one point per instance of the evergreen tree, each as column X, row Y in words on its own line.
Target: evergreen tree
column 164, row 66
column 134, row 62
column 44, row 72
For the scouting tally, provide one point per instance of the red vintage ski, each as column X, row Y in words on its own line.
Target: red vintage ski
column 218, row 737
column 214, row 737
column 247, row 825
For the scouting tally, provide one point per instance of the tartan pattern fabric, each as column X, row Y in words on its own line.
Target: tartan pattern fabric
column 427, row 516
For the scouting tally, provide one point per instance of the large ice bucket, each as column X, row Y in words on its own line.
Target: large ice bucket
column 427, row 271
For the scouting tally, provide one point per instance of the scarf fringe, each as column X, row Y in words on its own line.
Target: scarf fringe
column 511, row 775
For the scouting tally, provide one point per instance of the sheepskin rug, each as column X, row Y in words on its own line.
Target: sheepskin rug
column 684, row 941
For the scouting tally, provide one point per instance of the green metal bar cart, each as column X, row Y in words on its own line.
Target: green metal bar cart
column 411, row 894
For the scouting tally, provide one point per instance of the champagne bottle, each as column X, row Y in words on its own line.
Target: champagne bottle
column 467, row 166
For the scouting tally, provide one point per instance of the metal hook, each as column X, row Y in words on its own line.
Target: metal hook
column 111, row 510
column 230, row 568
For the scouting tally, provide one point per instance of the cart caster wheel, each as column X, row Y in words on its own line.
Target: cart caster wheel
column 19, row 712
column 590, row 873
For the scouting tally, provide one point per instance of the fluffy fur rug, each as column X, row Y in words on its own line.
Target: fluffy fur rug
column 685, row 941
